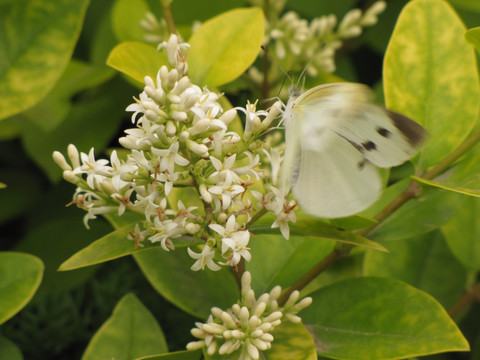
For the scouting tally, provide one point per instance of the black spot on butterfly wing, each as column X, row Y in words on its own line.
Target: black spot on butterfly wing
column 369, row 145
column 413, row 132
column 384, row 132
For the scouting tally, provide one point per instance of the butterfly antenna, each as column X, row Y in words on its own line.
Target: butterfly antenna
column 275, row 61
column 302, row 75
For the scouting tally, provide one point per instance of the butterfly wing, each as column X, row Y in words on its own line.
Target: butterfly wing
column 333, row 135
column 384, row 137
column 334, row 180
column 330, row 178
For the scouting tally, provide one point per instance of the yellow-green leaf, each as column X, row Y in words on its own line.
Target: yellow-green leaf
column 225, row 46
column 137, row 60
column 369, row 318
column 473, row 37
column 37, row 41
column 20, row 276
column 430, row 75
column 131, row 332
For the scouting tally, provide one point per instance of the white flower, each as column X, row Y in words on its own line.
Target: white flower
column 227, row 192
column 205, row 258
column 223, row 174
column 166, row 230
column 150, row 204
column 96, row 170
column 170, row 157
column 250, row 168
column 234, row 243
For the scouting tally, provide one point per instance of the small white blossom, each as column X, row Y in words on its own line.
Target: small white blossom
column 204, row 258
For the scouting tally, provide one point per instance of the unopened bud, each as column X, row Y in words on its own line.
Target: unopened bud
column 73, row 156
column 199, row 149
column 228, row 116
column 60, row 161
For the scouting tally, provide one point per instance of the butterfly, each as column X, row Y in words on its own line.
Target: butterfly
column 334, row 139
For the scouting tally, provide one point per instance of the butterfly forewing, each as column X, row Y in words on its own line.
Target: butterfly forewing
column 333, row 135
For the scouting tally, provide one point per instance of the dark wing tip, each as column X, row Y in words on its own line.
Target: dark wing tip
column 413, row 131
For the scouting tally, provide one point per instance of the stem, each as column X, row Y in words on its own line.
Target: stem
column 339, row 252
column 472, row 294
column 167, row 15
column 453, row 156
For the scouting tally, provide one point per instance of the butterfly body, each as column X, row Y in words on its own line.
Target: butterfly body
column 334, row 137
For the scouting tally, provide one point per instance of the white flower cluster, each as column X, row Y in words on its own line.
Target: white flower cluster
column 318, row 40
column 182, row 140
column 154, row 28
column 246, row 327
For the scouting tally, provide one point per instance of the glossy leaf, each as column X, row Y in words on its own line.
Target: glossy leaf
column 8, row 350
column 379, row 318
column 177, row 355
column 430, row 211
column 111, row 246
column 36, row 47
column 462, row 232
column 55, row 107
column 225, row 46
column 43, row 241
column 473, row 37
column 20, row 276
column 463, row 178
column 137, row 60
column 292, row 342
column 77, row 128
column 309, row 226
column 430, row 75
column 425, row 262
column 195, row 292
column 277, row 261
column 131, row 332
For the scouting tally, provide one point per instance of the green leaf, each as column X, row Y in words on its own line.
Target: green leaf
column 77, row 127
column 277, row 261
column 425, row 262
column 473, row 37
column 177, row 355
column 430, row 75
column 467, row 4
column 225, row 46
column 8, row 350
column 463, row 178
column 111, row 246
column 462, row 232
column 379, row 318
column 37, row 41
column 55, row 107
column 137, row 60
column 195, row 292
column 43, row 241
column 309, row 226
column 131, row 332
column 20, row 276
column 430, row 211
column 292, row 341
column 126, row 17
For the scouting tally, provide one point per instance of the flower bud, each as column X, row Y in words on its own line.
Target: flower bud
column 228, row 116
column 199, row 127
column 199, row 149
column 171, row 129
column 204, row 194
column 73, row 156
column 60, row 161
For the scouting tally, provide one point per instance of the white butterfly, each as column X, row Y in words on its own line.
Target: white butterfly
column 334, row 137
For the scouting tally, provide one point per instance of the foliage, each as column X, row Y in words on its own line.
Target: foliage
column 398, row 280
